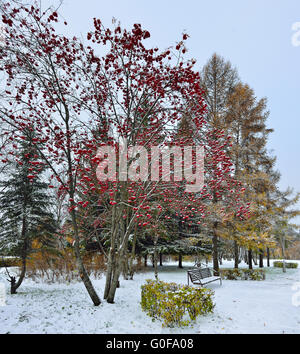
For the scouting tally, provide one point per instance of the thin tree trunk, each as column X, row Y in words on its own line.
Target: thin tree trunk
column 120, row 238
column 111, row 256
column 155, row 258
column 160, row 259
column 250, row 259
column 215, row 249
column 261, row 259
column 13, row 284
column 180, row 234
column 108, row 273
column 145, row 262
column 254, row 258
column 283, row 255
column 180, row 261
column 268, row 257
column 82, row 271
column 115, row 280
column 245, row 256
column 125, row 266
column 236, row 255
column 132, row 256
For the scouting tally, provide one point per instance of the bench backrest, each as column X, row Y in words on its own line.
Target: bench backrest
column 204, row 273
column 198, row 274
column 194, row 275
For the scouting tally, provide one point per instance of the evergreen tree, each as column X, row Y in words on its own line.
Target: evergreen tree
column 24, row 206
column 282, row 219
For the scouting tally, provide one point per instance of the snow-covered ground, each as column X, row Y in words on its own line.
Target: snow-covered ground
column 241, row 306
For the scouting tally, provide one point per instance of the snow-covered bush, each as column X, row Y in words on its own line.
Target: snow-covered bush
column 254, row 274
column 176, row 305
column 231, row 274
column 243, row 274
column 279, row 264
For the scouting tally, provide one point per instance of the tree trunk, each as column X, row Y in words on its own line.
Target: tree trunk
column 180, row 261
column 254, row 258
column 250, row 259
column 82, row 271
column 268, row 257
column 112, row 257
column 79, row 263
column 283, row 266
column 155, row 258
column 108, row 273
column 245, row 256
column 146, row 258
column 220, row 259
column 115, row 280
column 132, row 256
column 15, row 285
column 160, row 260
column 236, row 255
column 215, row 249
column 283, row 254
column 119, row 246
column 125, row 266
column 261, row 259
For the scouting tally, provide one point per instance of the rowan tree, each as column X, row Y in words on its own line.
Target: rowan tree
column 41, row 71
column 147, row 93
column 80, row 101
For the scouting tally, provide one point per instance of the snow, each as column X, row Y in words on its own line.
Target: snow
column 241, row 306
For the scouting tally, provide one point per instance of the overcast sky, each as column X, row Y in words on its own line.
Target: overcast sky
column 255, row 35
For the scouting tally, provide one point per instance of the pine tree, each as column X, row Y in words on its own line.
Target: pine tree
column 24, row 207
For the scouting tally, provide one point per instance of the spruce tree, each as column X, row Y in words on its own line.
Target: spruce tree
column 24, row 206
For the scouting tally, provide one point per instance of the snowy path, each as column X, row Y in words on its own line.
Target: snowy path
column 241, row 307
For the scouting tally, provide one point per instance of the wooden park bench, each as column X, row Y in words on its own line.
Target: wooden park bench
column 201, row 276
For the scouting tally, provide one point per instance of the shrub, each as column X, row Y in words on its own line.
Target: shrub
column 61, row 267
column 254, row 274
column 243, row 274
column 9, row 262
column 57, row 266
column 279, row 264
column 231, row 274
column 176, row 305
